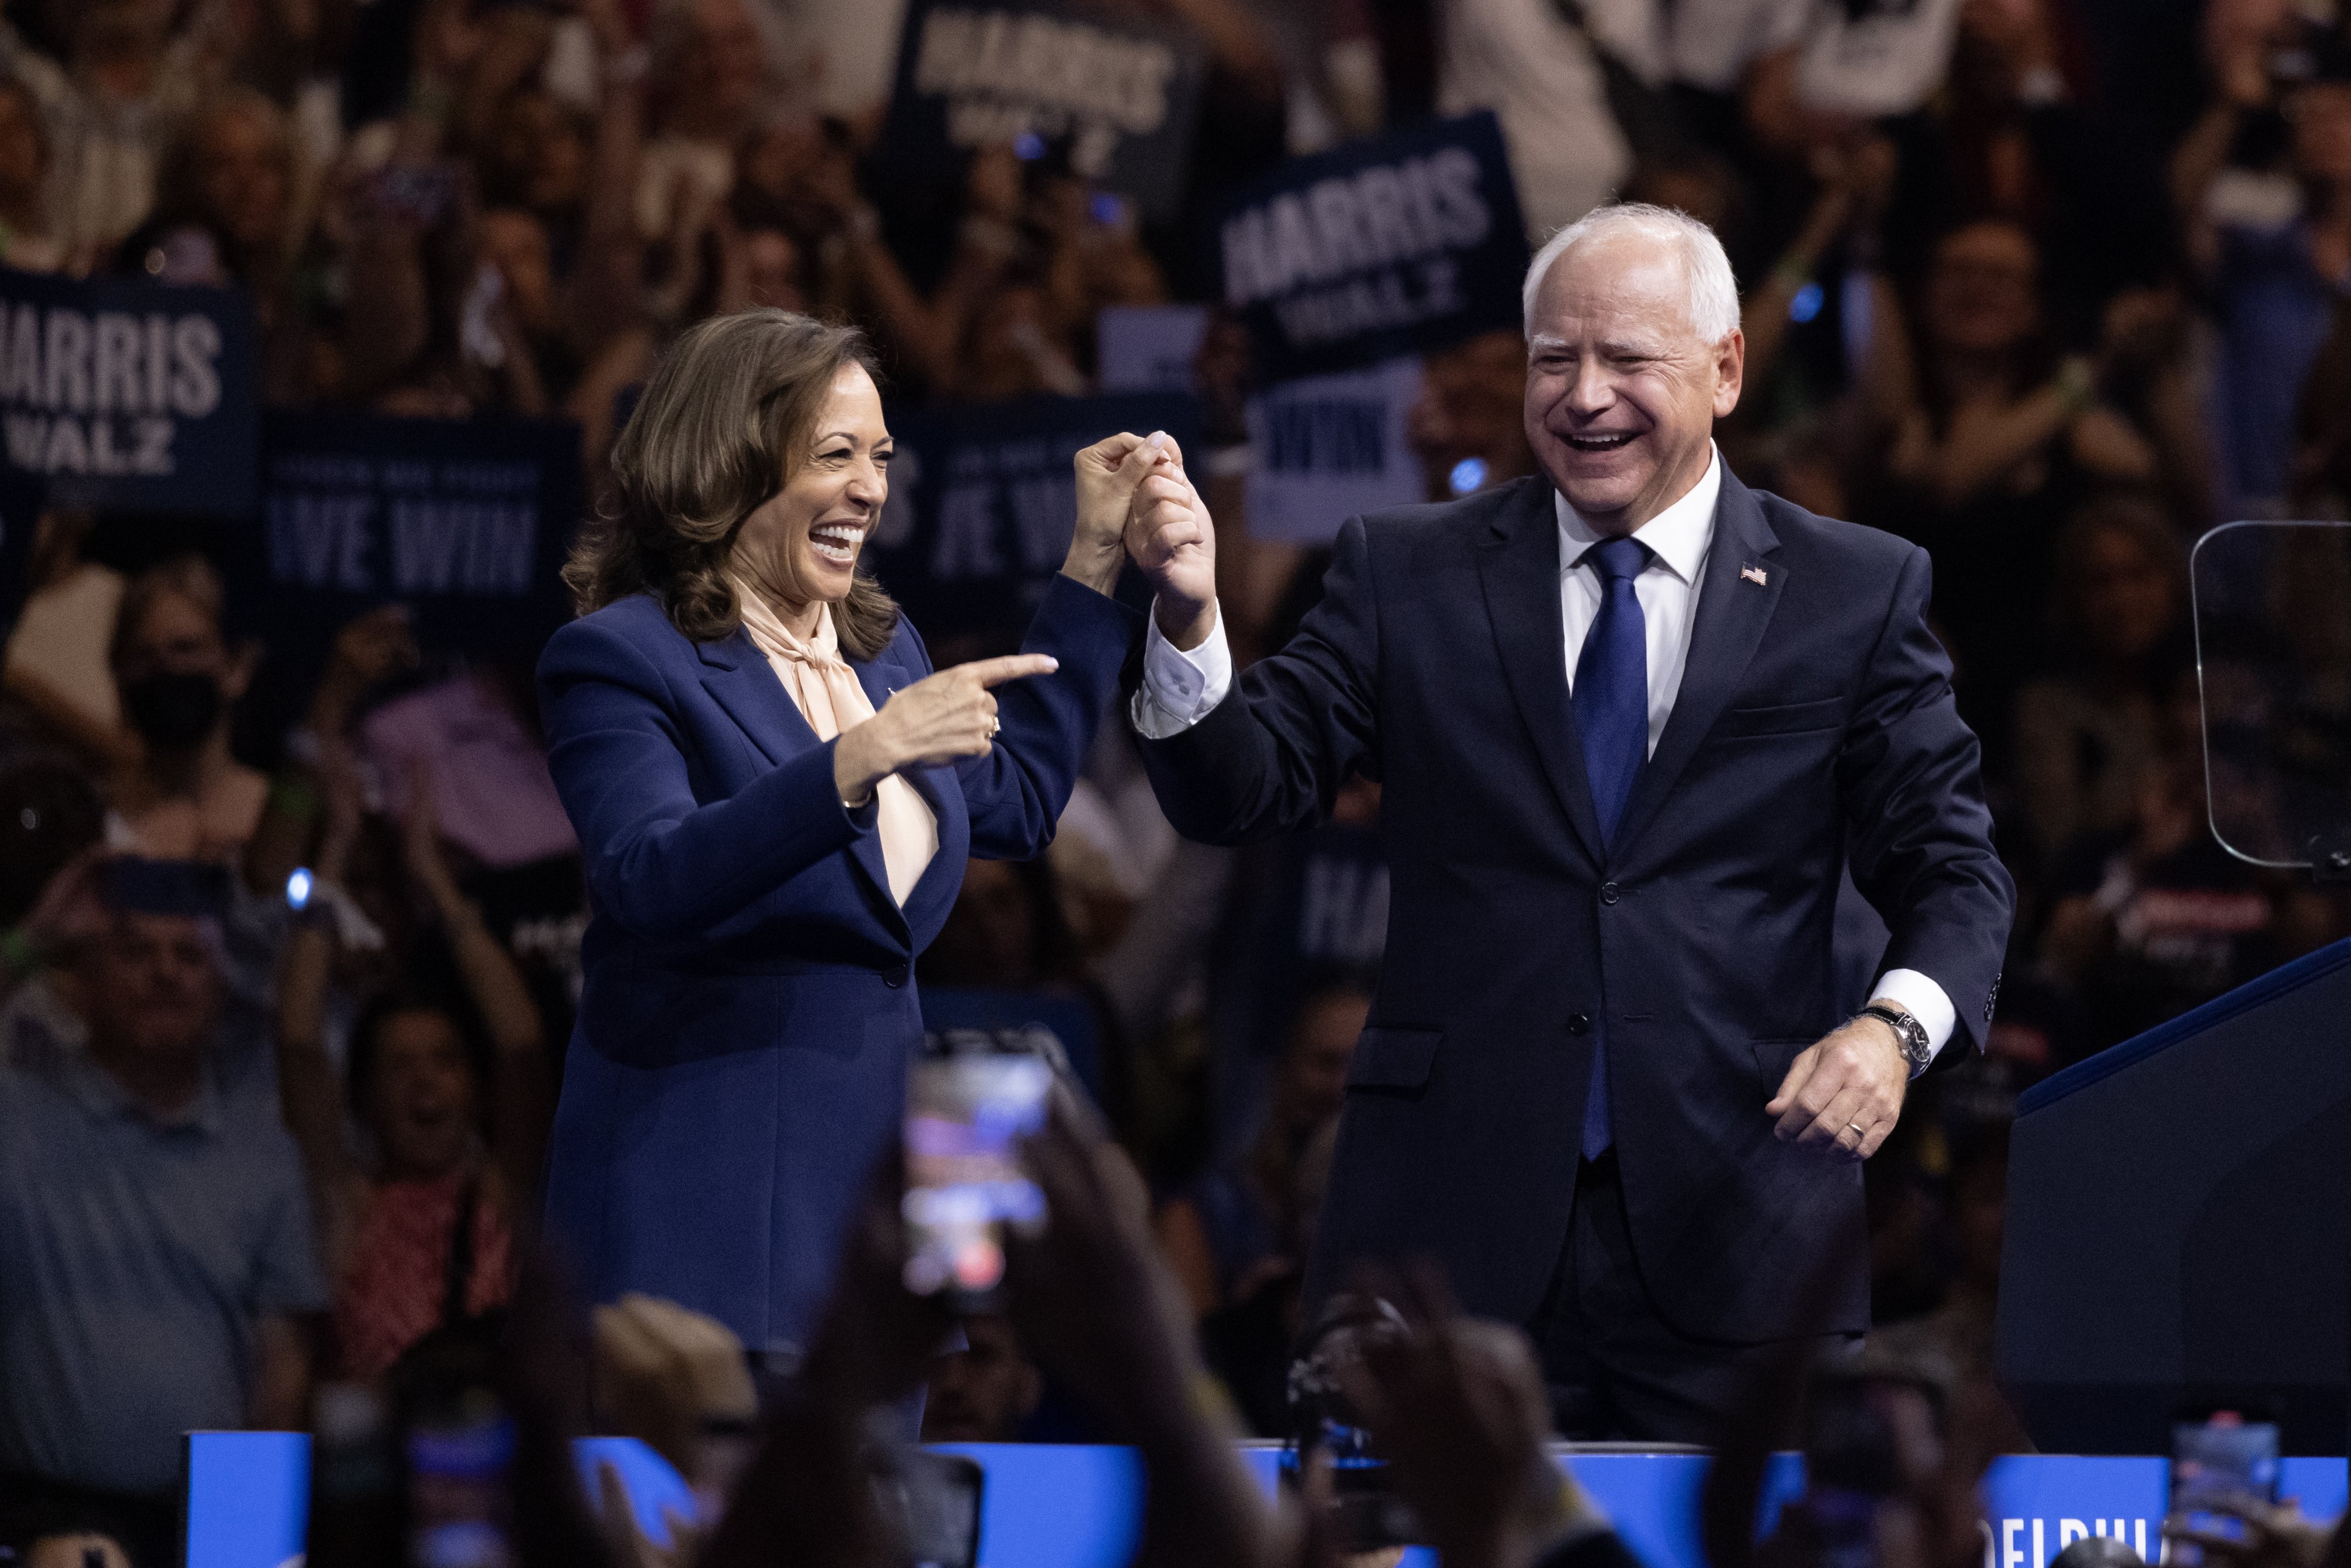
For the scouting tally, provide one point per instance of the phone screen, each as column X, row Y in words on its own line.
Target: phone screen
column 457, row 1461
column 971, row 1098
column 2215, row 1463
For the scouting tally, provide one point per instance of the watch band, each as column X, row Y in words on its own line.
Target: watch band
column 1916, row 1049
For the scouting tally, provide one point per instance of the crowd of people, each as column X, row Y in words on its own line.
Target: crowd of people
column 2049, row 287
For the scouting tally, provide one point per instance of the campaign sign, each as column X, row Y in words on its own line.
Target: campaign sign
column 1148, row 347
column 1329, row 448
column 464, row 521
column 1380, row 248
column 982, row 501
column 1121, row 95
column 128, row 396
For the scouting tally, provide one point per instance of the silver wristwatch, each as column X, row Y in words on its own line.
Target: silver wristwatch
column 1908, row 1029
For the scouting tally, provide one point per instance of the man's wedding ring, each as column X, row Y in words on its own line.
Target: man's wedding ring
column 994, row 724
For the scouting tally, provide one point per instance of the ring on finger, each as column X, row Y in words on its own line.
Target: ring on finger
column 994, row 724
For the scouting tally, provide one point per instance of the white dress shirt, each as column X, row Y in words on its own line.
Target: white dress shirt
column 1179, row 688
column 1678, row 538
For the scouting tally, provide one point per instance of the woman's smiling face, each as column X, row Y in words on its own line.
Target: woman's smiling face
column 801, row 546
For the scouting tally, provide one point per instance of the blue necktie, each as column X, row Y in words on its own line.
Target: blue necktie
column 1612, row 714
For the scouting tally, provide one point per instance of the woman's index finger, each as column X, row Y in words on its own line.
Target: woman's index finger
column 1011, row 666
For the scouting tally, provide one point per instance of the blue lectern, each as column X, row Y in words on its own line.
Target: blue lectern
column 2179, row 1223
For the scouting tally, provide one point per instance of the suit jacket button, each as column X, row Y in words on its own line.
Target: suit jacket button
column 894, row 978
column 1608, row 892
column 1578, row 1024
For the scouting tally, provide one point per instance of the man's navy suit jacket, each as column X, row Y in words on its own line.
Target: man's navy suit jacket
column 1815, row 724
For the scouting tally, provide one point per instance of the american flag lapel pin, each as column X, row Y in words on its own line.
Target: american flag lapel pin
column 1753, row 575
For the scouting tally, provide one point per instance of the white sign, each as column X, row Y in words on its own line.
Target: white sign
column 1329, row 448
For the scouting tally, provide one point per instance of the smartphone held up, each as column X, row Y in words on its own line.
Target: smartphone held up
column 973, row 1095
column 2222, row 1463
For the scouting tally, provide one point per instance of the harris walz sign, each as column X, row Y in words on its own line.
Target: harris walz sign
column 127, row 395
column 1119, row 96
column 982, row 500
column 1377, row 249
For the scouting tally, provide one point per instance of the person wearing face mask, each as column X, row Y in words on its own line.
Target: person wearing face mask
column 776, row 796
column 177, row 680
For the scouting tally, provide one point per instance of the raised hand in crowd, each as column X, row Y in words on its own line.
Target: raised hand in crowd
column 1108, row 1320
column 367, row 650
column 68, row 916
column 2275, row 1535
column 1090, row 1292
column 421, row 1095
column 1457, row 1406
column 2144, row 367
column 806, row 1497
column 1856, row 181
column 521, row 1098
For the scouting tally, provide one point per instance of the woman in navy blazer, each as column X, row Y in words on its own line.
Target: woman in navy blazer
column 749, row 1008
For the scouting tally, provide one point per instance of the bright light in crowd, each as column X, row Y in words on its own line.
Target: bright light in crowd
column 297, row 887
column 1469, row 474
column 1807, row 303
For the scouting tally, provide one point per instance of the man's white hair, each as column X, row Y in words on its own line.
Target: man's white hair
column 1713, row 291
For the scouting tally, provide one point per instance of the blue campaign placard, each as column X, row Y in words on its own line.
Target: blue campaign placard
column 127, row 395
column 1117, row 93
column 464, row 521
column 1377, row 249
column 982, row 500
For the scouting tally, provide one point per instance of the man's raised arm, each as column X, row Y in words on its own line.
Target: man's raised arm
column 1234, row 766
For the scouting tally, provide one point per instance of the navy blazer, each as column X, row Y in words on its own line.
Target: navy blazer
column 1814, row 721
column 749, row 1007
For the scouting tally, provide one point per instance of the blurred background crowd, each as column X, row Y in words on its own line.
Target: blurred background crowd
column 2049, row 287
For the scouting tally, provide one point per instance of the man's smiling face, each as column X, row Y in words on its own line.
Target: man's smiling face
column 1621, row 393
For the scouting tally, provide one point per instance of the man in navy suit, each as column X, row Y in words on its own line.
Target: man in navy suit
column 1632, row 719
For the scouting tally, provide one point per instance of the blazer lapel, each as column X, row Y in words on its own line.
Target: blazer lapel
column 1518, row 569
column 739, row 678
column 1733, row 609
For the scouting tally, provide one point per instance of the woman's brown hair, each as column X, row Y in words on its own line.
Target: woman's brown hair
column 723, row 424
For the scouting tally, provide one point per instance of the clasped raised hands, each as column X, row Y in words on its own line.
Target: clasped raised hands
column 1172, row 539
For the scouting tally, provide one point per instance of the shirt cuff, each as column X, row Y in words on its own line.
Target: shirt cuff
column 1180, row 689
column 1920, row 997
